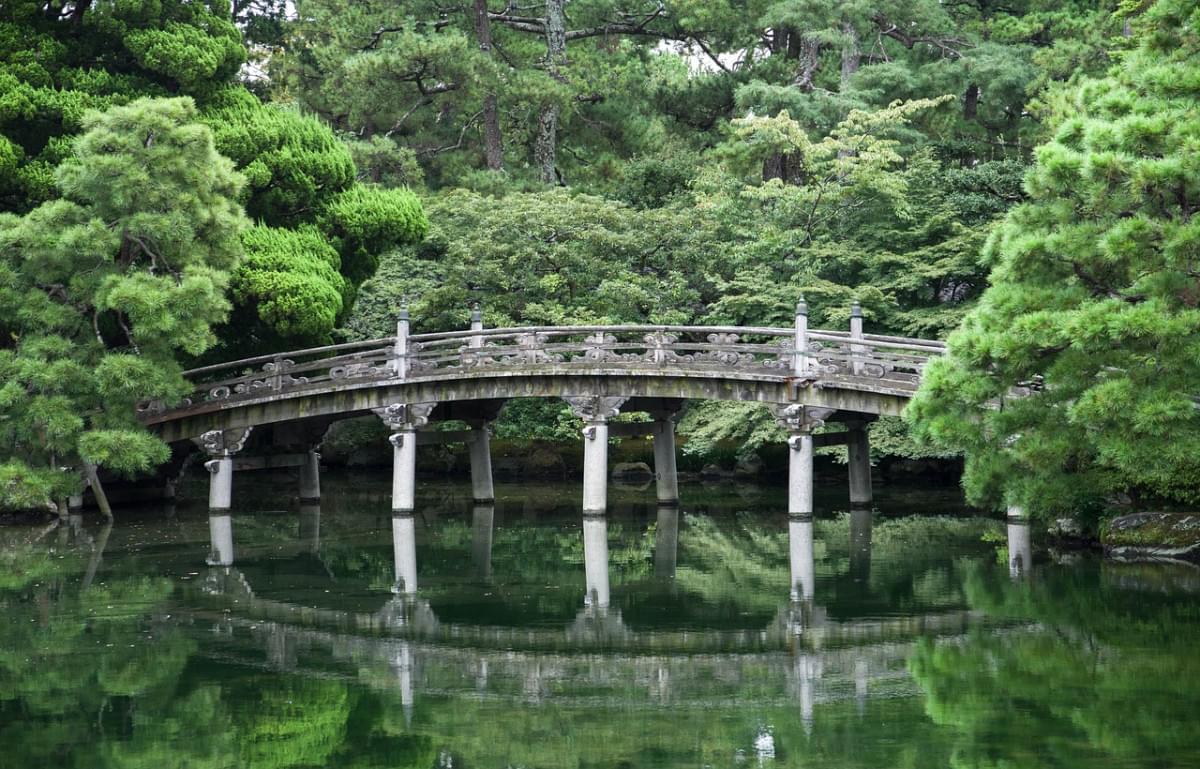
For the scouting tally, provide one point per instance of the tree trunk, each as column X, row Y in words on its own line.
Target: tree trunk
column 493, row 147
column 971, row 102
column 851, row 56
column 545, row 151
column 98, row 490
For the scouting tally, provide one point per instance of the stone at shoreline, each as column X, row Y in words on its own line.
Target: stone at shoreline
column 748, row 467
column 1153, row 536
column 544, row 463
column 632, row 471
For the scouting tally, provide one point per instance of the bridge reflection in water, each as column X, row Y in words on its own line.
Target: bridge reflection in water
column 810, row 658
column 281, row 405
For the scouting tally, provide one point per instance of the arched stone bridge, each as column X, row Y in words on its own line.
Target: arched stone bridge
column 806, row 376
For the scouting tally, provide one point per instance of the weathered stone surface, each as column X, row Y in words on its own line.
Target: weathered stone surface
column 544, row 462
column 1153, row 535
column 632, row 470
column 748, row 467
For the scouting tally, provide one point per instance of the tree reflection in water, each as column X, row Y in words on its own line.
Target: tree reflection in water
column 827, row 655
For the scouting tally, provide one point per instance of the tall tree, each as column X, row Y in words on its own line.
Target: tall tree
column 493, row 144
column 1075, row 378
column 103, row 288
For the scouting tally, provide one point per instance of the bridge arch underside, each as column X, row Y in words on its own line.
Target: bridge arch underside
column 480, row 397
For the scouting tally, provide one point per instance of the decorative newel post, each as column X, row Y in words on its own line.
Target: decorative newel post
column 800, row 366
column 400, row 364
column 476, row 324
column 857, row 350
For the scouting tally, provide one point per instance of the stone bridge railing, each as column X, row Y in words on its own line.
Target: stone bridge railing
column 886, row 362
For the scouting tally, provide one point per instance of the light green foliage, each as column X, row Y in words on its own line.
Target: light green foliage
column 54, row 67
column 101, row 289
column 539, row 258
column 1094, row 293
column 1059, row 690
column 291, row 278
column 292, row 162
column 368, row 220
column 320, row 231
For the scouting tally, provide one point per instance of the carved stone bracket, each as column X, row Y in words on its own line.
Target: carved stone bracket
column 405, row 416
column 796, row 418
column 595, row 408
column 223, row 443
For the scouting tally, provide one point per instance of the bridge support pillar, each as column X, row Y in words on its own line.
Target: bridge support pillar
column 404, row 419
column 481, row 465
column 666, row 477
column 858, row 450
column 595, row 561
column 220, row 534
column 1020, row 546
column 404, row 550
column 404, row 470
column 595, row 411
column 800, row 421
column 221, row 445
column 310, row 477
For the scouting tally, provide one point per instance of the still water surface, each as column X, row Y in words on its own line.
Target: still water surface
column 521, row 635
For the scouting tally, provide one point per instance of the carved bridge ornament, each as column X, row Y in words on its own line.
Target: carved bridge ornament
column 896, row 360
column 534, row 349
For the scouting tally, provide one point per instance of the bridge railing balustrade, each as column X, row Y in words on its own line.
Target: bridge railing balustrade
column 892, row 362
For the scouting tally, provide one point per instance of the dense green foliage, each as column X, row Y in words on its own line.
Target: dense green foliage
column 1093, row 302
column 687, row 161
column 102, row 288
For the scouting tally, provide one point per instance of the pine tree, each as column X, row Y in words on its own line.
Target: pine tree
column 1075, row 379
column 101, row 290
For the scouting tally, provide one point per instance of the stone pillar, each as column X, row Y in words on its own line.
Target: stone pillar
column 220, row 483
column 403, row 419
column 476, row 325
column 404, row 470
column 222, row 445
column 404, row 550
column 666, row 541
column 857, row 351
column 310, row 478
column 400, row 362
column 481, row 465
column 666, row 477
column 800, row 558
column 403, row 665
column 858, row 451
column 220, row 535
column 1020, row 544
column 861, row 684
column 75, row 502
column 595, row 561
column 800, row 362
column 800, row 421
column 860, row 543
column 482, row 518
column 800, row 474
column 595, row 411
column 310, row 525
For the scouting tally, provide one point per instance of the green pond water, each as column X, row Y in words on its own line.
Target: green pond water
column 523, row 635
